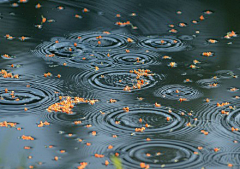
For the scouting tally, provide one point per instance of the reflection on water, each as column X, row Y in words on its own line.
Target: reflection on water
column 165, row 75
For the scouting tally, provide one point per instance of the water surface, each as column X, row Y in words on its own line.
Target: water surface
column 121, row 55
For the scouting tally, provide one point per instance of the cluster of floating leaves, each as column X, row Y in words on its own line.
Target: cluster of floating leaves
column 67, row 104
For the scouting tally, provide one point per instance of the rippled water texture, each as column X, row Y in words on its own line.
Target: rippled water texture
column 139, row 84
column 145, row 120
column 163, row 153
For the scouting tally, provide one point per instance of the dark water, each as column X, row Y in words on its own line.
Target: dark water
column 196, row 126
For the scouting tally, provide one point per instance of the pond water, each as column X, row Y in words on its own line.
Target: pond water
column 154, row 83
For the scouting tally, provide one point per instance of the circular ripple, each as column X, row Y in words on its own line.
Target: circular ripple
column 35, row 98
column 78, row 56
column 174, row 92
column 63, row 118
column 227, row 157
column 174, row 154
column 136, row 59
column 102, row 63
column 63, row 49
column 232, row 120
column 186, row 37
column 208, row 83
column 225, row 74
column 212, row 119
column 86, row 58
column 163, row 43
column 90, row 60
column 128, row 121
column 113, row 80
column 104, row 41
column 13, row 79
column 121, row 122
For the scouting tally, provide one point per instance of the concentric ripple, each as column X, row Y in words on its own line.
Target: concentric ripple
column 152, row 120
column 101, row 41
column 90, row 60
column 102, row 63
column 135, row 58
column 161, row 153
column 175, row 92
column 71, row 52
column 232, row 121
column 128, row 121
column 59, row 48
column 226, row 158
column 163, row 43
column 186, row 37
column 220, row 118
column 86, row 58
column 63, row 118
column 208, row 83
column 21, row 95
column 225, row 74
column 114, row 80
